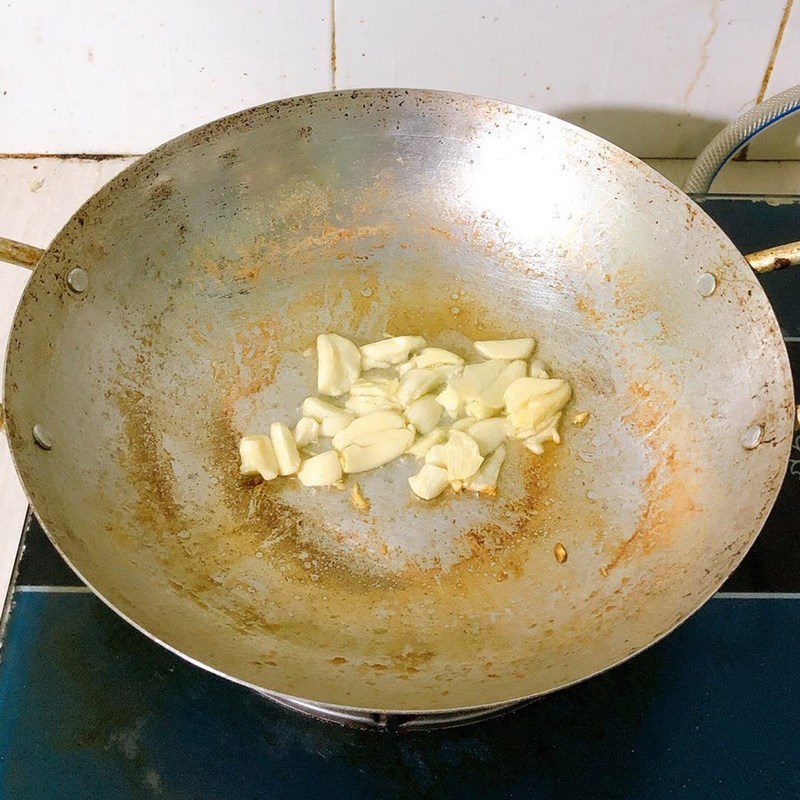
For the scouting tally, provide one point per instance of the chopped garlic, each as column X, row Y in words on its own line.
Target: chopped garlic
column 373, row 394
column 451, row 401
column 489, row 433
column 339, row 364
column 429, row 482
column 530, row 401
column 258, row 457
column 431, row 357
column 388, row 352
column 462, row 424
column 424, row 414
column 437, row 455
column 366, row 426
column 375, row 449
column 417, row 382
column 330, row 426
column 332, row 419
column 285, row 449
column 491, row 399
column 321, row 470
column 485, row 479
column 377, row 386
column 462, row 456
column 306, row 431
column 509, row 349
column 372, row 441
column 365, row 404
column 421, row 447
column 546, row 431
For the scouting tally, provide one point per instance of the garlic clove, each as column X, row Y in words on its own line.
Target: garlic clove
column 509, row 349
column 429, row 482
column 425, row 414
column 306, row 431
column 322, row 470
column 258, row 457
column 332, row 418
column 366, row 426
column 437, row 455
column 485, row 479
column 338, row 366
column 421, row 447
column 386, row 353
column 365, row 404
column 489, row 433
column 373, row 450
column 462, row 456
column 285, row 449
column 530, row 401
column 417, row 382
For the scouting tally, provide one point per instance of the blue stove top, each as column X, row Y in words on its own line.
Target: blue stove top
column 90, row 708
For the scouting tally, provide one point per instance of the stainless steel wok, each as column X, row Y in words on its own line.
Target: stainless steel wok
column 170, row 316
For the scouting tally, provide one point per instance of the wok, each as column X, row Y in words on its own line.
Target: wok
column 170, row 316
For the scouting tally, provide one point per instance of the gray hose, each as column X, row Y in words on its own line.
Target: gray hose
column 736, row 135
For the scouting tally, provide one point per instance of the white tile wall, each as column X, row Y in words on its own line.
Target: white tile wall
column 121, row 76
column 657, row 77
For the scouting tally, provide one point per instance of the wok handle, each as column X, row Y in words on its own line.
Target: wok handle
column 780, row 257
column 23, row 255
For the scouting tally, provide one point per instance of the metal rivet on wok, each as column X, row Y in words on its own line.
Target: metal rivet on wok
column 42, row 437
column 707, row 284
column 752, row 437
column 78, row 280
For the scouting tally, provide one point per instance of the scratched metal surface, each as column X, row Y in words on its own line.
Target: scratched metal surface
column 215, row 260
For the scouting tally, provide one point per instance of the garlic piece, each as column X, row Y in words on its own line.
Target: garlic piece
column 306, row 431
column 258, row 457
column 546, row 431
column 437, row 455
column 429, row 482
column 332, row 419
column 417, row 382
column 431, row 357
column 424, row 414
column 366, row 404
column 375, row 449
column 490, row 400
column 377, row 386
column 451, row 401
column 339, row 364
column 462, row 456
column 509, row 349
column 366, row 426
column 322, row 470
column 285, row 449
column 484, row 480
column 372, row 441
column 373, row 394
column 421, row 447
column 388, row 352
column 462, row 424
column 530, row 401
column 489, row 433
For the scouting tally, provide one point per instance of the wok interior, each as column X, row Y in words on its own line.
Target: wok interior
column 213, row 264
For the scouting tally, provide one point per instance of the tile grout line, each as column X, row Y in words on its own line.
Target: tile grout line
column 333, row 44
